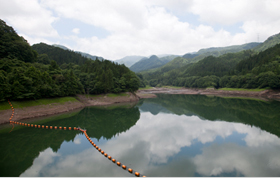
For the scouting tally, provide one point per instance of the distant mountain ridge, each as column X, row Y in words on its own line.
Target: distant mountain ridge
column 270, row 42
column 150, row 63
column 82, row 53
column 128, row 61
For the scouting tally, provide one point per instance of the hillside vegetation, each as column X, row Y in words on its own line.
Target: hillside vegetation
column 244, row 69
column 195, row 57
column 47, row 71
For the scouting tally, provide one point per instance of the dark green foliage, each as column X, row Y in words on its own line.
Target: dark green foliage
column 57, row 72
column 59, row 55
column 148, row 63
column 234, row 70
column 270, row 42
column 13, row 46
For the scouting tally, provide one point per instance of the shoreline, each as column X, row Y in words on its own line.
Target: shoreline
column 57, row 108
column 265, row 94
column 103, row 100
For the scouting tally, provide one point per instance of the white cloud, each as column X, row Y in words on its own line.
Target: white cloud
column 45, row 158
column 76, row 31
column 28, row 18
column 145, row 27
column 228, row 158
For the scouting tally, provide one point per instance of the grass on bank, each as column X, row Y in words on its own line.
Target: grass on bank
column 111, row 95
column 147, row 87
column 243, row 89
column 20, row 104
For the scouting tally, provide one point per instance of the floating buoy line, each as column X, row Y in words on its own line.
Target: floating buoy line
column 74, row 128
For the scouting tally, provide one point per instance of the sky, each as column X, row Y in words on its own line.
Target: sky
column 114, row 29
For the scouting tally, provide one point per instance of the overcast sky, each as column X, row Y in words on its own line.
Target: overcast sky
column 117, row 28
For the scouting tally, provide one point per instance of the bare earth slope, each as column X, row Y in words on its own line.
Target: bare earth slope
column 83, row 101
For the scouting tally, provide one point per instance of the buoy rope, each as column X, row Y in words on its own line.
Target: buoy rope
column 74, row 128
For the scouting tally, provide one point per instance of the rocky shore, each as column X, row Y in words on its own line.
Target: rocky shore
column 101, row 100
column 266, row 94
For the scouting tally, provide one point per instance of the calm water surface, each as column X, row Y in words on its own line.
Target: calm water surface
column 172, row 135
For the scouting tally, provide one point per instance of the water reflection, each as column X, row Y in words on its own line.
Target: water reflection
column 172, row 135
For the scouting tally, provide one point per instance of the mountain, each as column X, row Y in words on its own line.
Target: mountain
column 61, row 46
column 14, row 46
column 128, row 61
column 59, row 55
column 82, row 53
column 150, row 63
column 166, row 59
column 270, row 42
column 197, row 56
column 244, row 69
column 146, row 63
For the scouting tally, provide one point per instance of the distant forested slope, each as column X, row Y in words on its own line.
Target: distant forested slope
column 237, row 70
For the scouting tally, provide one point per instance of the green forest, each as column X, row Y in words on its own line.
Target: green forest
column 44, row 71
column 244, row 69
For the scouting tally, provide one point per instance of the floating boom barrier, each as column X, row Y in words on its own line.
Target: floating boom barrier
column 130, row 170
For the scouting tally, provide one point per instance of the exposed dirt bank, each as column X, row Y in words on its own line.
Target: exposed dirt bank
column 56, row 108
column 100, row 100
column 266, row 94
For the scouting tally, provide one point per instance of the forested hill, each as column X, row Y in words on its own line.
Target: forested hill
column 235, row 70
column 195, row 57
column 26, row 75
column 58, row 54
column 82, row 53
column 270, row 42
column 151, row 63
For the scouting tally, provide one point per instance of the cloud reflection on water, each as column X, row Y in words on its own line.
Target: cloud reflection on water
column 149, row 146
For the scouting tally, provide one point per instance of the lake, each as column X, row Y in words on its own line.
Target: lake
column 171, row 135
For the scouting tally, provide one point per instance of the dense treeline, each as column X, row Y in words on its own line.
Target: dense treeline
column 59, row 55
column 26, row 75
column 235, row 70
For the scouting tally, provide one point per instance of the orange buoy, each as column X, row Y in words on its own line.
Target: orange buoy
column 43, row 126
column 35, row 125
column 118, row 163
column 105, row 154
column 137, row 174
column 47, row 127
column 55, row 127
column 31, row 125
column 60, row 127
column 113, row 160
column 28, row 125
column 64, row 128
column 51, row 127
column 130, row 170
column 75, row 128
column 109, row 157
column 39, row 126
column 123, row 166
column 102, row 152
column 96, row 147
column 12, row 114
column 99, row 149
column 69, row 128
